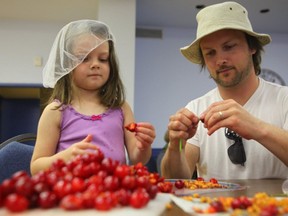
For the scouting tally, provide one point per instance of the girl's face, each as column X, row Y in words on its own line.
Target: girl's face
column 94, row 71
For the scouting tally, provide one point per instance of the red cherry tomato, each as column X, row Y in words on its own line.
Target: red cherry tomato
column 200, row 179
column 16, row 202
column 131, row 127
column 179, row 184
column 214, row 181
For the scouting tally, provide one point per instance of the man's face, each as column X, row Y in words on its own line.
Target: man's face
column 227, row 56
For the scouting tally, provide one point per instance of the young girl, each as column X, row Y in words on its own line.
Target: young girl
column 87, row 108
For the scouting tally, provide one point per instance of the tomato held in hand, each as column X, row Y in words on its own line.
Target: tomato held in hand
column 131, row 127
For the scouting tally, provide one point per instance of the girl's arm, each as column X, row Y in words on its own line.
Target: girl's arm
column 47, row 140
column 138, row 143
column 48, row 134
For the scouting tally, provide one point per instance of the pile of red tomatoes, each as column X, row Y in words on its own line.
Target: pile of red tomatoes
column 86, row 182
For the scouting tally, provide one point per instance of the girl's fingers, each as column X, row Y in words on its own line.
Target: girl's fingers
column 88, row 138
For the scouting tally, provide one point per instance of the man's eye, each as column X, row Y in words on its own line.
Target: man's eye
column 210, row 53
column 229, row 47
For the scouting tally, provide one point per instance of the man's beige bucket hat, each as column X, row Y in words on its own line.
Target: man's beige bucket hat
column 227, row 15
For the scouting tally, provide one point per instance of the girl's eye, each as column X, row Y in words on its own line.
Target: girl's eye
column 85, row 59
column 82, row 58
column 103, row 59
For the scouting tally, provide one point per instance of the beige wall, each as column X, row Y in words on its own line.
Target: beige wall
column 23, row 40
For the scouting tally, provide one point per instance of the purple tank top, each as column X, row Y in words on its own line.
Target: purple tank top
column 107, row 131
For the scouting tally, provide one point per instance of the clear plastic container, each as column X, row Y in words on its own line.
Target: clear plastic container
column 285, row 187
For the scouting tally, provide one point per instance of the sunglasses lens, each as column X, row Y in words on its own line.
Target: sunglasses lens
column 236, row 153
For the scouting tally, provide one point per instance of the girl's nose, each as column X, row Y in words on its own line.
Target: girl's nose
column 95, row 64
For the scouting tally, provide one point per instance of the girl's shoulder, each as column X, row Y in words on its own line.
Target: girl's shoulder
column 125, row 107
column 53, row 106
column 127, row 112
column 53, row 111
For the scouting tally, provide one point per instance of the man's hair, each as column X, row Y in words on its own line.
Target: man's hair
column 253, row 43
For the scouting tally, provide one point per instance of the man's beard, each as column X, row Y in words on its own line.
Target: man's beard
column 237, row 76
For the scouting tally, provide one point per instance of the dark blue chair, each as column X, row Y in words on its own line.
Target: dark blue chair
column 151, row 165
column 15, row 155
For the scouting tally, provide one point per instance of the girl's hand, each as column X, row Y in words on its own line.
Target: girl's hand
column 182, row 125
column 145, row 135
column 79, row 148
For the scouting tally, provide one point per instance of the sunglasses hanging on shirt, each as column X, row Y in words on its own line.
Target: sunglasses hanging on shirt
column 236, row 151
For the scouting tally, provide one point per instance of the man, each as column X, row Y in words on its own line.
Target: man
column 239, row 129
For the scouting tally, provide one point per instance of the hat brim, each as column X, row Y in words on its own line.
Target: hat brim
column 193, row 54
